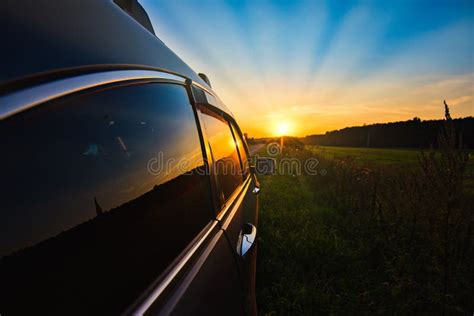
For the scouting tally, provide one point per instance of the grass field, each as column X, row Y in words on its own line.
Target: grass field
column 376, row 155
column 361, row 238
column 398, row 157
column 384, row 156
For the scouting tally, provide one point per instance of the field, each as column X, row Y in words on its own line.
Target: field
column 379, row 156
column 374, row 155
column 380, row 231
column 395, row 157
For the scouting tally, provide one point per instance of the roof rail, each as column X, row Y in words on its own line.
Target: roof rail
column 137, row 12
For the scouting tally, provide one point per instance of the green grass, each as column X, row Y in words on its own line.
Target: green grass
column 384, row 156
column 377, row 155
column 304, row 266
column 399, row 157
column 345, row 243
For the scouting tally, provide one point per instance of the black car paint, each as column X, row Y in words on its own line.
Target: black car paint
column 45, row 40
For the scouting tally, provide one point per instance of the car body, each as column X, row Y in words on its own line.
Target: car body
column 126, row 186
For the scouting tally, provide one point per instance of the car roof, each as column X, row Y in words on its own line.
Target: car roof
column 42, row 37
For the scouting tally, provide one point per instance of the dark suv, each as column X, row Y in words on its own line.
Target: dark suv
column 125, row 181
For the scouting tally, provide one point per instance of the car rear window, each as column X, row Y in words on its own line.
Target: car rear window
column 224, row 152
column 99, row 194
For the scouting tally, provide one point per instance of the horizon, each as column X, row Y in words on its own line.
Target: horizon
column 303, row 68
column 353, row 126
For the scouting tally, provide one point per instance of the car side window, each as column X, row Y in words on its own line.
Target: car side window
column 223, row 150
column 242, row 152
column 100, row 193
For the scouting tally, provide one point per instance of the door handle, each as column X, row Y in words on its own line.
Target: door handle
column 247, row 239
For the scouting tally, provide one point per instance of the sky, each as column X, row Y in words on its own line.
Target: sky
column 306, row 67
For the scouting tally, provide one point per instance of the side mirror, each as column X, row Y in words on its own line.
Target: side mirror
column 264, row 166
column 205, row 78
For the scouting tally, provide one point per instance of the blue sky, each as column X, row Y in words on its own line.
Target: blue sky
column 317, row 65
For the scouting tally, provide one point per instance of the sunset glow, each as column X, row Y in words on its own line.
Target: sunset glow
column 326, row 65
column 282, row 129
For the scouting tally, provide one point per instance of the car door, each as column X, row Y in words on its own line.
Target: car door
column 106, row 206
column 243, row 226
column 235, row 186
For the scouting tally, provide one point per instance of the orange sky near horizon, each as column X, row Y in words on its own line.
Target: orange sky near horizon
column 306, row 113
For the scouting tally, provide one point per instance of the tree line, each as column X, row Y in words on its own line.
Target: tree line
column 414, row 133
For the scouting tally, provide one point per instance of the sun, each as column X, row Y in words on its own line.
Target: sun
column 282, row 128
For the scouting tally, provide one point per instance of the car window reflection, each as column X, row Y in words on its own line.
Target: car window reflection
column 85, row 221
column 224, row 152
